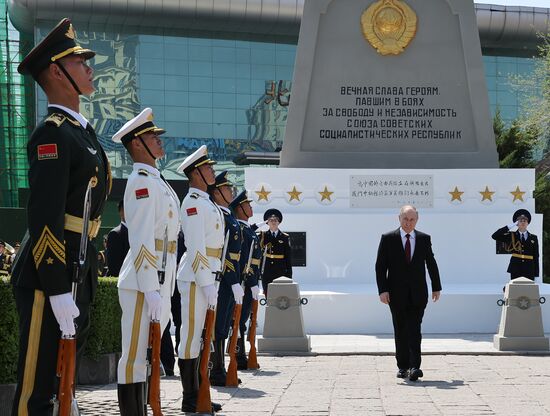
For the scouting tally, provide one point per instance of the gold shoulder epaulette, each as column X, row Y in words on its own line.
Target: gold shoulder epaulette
column 143, row 172
column 283, row 233
column 56, row 119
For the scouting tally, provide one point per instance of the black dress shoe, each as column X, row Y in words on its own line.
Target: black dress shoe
column 216, row 407
column 402, row 373
column 415, row 374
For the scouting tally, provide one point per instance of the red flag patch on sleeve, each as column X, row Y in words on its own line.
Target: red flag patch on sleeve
column 191, row 211
column 47, row 151
column 142, row 193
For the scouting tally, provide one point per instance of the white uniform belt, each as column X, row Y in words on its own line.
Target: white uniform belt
column 214, row 252
column 76, row 224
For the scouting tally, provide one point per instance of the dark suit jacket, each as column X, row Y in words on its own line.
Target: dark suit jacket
column 406, row 282
column 117, row 248
column 520, row 266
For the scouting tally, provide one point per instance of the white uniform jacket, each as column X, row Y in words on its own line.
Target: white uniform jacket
column 151, row 206
column 203, row 229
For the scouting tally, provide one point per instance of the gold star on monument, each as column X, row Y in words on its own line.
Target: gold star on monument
column 49, row 260
column 486, row 194
column 456, row 195
column 294, row 194
column 518, row 194
column 325, row 194
column 262, row 194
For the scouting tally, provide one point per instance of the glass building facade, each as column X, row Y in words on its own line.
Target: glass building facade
column 500, row 72
column 231, row 95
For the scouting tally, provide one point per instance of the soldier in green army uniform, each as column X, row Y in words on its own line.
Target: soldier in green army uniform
column 65, row 158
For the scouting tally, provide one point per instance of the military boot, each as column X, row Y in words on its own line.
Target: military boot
column 242, row 361
column 217, row 358
column 190, row 384
column 129, row 399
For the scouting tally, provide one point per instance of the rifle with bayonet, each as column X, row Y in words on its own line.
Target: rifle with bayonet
column 252, row 363
column 231, row 379
column 153, row 348
column 204, row 402
column 64, row 404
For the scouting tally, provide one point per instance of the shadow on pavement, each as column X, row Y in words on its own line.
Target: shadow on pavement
column 439, row 384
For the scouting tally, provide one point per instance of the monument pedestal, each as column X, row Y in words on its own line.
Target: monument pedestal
column 339, row 280
column 284, row 324
column 521, row 326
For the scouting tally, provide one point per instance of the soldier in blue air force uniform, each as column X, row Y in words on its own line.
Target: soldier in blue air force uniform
column 230, row 290
column 250, row 268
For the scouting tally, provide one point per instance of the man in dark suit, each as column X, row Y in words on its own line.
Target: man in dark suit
column 117, row 244
column 523, row 246
column 403, row 256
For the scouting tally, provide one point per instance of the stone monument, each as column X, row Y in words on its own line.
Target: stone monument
column 389, row 84
column 389, row 107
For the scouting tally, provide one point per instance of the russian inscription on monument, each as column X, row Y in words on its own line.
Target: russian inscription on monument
column 389, row 84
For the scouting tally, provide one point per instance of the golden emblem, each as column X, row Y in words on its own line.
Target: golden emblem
column 389, row 26
column 93, row 181
column 70, row 32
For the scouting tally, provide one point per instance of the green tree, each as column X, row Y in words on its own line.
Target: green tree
column 514, row 145
column 534, row 96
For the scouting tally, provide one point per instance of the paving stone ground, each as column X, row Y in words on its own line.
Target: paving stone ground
column 366, row 385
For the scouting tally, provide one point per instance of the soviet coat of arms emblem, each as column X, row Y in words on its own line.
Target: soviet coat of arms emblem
column 389, row 26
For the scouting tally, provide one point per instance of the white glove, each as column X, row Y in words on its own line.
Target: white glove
column 261, row 224
column 513, row 225
column 255, row 292
column 238, row 293
column 65, row 310
column 211, row 294
column 154, row 302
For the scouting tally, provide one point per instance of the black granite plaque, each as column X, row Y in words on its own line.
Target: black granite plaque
column 298, row 244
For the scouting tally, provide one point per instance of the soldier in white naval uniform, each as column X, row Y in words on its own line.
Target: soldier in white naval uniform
column 203, row 229
column 152, row 216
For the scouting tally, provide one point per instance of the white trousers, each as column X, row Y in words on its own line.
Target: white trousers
column 132, row 366
column 193, row 314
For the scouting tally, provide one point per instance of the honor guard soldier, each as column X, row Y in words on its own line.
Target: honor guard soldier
column 145, row 284
column 275, row 245
column 230, row 290
column 523, row 246
column 203, row 229
column 65, row 160
column 250, row 268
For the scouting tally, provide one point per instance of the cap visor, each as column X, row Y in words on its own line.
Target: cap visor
column 87, row 53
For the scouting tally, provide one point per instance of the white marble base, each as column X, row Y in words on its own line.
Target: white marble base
column 339, row 278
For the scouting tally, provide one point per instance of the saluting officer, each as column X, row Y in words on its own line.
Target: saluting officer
column 64, row 157
column 144, row 292
column 250, row 268
column 276, row 246
column 523, row 246
column 202, row 224
column 230, row 290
